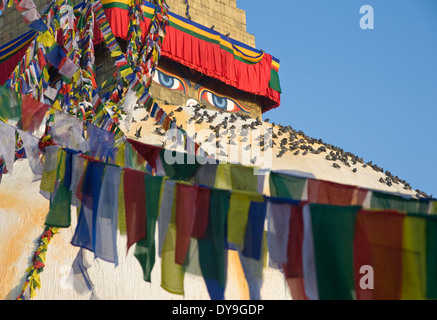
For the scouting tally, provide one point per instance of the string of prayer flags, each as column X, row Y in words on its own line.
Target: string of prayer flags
column 33, row 280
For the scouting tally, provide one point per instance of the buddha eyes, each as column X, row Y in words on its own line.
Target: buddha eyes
column 221, row 102
column 169, row 81
column 173, row 82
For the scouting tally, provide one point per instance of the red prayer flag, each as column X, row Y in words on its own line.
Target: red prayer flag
column 202, row 212
column 32, row 113
column 135, row 205
column 331, row 193
column 293, row 270
column 378, row 244
column 148, row 152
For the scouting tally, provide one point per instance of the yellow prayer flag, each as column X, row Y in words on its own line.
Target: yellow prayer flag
column 47, row 39
column 116, row 53
column 414, row 259
column 57, row 106
column 121, row 208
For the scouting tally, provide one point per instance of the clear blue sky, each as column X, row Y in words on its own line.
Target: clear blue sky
column 370, row 92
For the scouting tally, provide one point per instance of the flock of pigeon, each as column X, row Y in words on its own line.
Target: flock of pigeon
column 237, row 129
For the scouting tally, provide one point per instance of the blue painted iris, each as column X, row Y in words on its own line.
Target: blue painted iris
column 169, row 81
column 220, row 102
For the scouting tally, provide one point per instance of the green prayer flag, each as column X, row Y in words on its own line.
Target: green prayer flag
column 431, row 257
column 178, row 165
column 381, row 200
column 286, row 186
column 333, row 236
column 236, row 177
column 60, row 208
column 145, row 248
column 9, row 106
column 212, row 247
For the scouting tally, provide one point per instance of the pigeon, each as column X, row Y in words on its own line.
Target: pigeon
column 212, row 27
column 336, row 166
column 253, row 161
column 211, row 138
column 171, row 114
column 228, row 34
column 166, row 102
column 145, row 118
column 354, row 170
column 138, row 133
column 247, row 147
column 179, row 109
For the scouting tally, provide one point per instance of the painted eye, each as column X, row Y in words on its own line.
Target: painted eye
column 221, row 102
column 169, row 81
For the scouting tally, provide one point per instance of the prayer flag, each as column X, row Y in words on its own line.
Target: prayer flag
column 328, row 251
column 135, row 205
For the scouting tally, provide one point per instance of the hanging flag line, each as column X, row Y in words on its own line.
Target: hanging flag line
column 238, row 225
